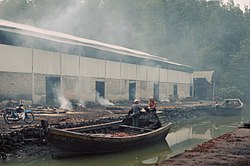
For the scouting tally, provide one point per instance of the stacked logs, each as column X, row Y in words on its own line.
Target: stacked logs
column 184, row 114
column 14, row 140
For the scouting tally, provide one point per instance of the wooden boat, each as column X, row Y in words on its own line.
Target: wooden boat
column 229, row 107
column 104, row 138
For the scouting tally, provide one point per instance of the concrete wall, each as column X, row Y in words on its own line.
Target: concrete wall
column 15, row 86
column 164, row 94
column 112, row 89
column 141, row 87
column 170, row 88
column 182, row 90
column 124, row 90
column 70, row 87
column 79, row 75
column 87, row 89
column 39, row 89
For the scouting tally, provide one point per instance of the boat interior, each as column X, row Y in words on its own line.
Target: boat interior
column 148, row 122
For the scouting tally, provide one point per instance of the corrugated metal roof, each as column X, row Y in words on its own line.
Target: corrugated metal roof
column 208, row 75
column 74, row 40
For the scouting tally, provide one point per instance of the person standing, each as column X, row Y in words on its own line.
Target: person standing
column 135, row 113
column 152, row 104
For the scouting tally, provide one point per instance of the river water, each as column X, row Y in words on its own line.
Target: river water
column 180, row 138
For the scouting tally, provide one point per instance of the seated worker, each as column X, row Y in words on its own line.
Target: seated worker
column 152, row 104
column 135, row 113
column 20, row 108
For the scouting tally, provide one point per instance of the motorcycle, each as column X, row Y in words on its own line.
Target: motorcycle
column 14, row 115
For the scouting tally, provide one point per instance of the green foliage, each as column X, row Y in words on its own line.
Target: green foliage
column 230, row 92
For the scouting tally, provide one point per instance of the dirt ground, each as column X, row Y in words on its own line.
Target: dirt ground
column 55, row 116
column 229, row 149
column 81, row 114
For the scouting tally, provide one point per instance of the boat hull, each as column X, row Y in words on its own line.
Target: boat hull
column 227, row 111
column 230, row 107
column 70, row 144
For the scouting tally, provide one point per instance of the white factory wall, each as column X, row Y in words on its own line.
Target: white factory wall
column 172, row 76
column 113, row 69
column 152, row 74
column 15, row 59
column 92, row 67
column 70, row 65
column 128, row 71
column 163, row 75
column 185, row 78
column 83, row 73
column 46, row 62
column 141, row 73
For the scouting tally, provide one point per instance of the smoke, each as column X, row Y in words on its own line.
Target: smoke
column 81, row 103
column 65, row 20
column 103, row 101
column 64, row 103
column 92, row 19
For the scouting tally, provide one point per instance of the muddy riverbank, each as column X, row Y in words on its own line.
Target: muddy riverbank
column 21, row 140
column 229, row 149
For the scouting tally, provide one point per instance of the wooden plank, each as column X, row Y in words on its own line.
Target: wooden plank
column 93, row 127
column 133, row 127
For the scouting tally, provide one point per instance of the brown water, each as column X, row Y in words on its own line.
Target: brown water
column 180, row 138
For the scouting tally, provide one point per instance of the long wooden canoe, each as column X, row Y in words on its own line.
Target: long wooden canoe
column 230, row 107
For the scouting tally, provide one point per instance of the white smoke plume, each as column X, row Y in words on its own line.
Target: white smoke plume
column 103, row 101
column 64, row 103
column 81, row 103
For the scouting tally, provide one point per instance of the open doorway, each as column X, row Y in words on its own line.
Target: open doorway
column 52, row 90
column 175, row 91
column 100, row 88
column 156, row 91
column 132, row 90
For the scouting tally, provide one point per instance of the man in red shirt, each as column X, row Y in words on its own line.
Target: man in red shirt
column 152, row 104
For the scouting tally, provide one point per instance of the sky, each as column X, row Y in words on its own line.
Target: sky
column 242, row 3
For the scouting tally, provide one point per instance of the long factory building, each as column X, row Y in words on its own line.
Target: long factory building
column 38, row 64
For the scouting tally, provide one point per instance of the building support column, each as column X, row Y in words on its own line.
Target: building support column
column 79, row 79
column 61, row 80
column 32, row 76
